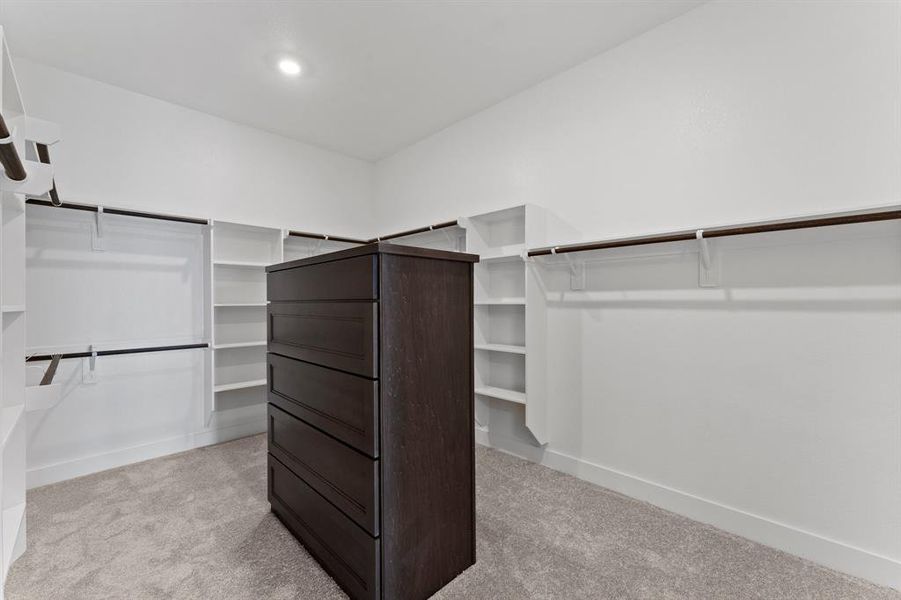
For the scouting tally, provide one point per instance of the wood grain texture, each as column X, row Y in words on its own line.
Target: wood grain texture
column 427, row 457
column 340, row 335
column 344, row 406
column 394, row 378
column 343, row 476
column 351, row 279
column 340, row 545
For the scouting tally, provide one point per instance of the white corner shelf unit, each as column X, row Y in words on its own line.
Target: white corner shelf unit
column 25, row 133
column 510, row 311
column 239, row 255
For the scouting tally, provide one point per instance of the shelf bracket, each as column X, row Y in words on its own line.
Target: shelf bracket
column 576, row 271
column 708, row 262
column 97, row 232
column 89, row 366
column 50, row 373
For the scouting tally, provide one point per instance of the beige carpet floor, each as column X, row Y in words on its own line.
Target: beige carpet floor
column 197, row 526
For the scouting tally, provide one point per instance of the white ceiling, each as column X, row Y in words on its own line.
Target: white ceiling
column 379, row 75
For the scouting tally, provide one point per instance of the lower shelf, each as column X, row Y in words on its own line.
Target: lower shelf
column 227, row 387
column 502, row 394
column 508, row 348
column 239, row 345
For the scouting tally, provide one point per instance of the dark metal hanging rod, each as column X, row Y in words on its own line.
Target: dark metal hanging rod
column 425, row 229
column 42, row 357
column 322, row 236
column 119, row 211
column 9, row 155
column 715, row 232
column 382, row 238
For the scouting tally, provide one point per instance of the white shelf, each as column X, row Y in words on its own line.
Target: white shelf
column 227, row 387
column 13, row 517
column 500, row 302
column 240, row 264
column 502, row 394
column 239, row 304
column 13, row 308
column 506, row 253
column 508, row 348
column 239, row 345
column 10, row 418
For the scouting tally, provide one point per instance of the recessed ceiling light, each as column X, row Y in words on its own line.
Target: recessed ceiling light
column 289, row 66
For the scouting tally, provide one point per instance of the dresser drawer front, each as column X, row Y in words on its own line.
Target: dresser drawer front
column 348, row 279
column 344, row 550
column 346, row 478
column 342, row 405
column 340, row 335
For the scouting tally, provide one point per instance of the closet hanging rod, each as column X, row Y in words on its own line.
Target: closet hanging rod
column 9, row 155
column 715, row 232
column 120, row 211
column 322, row 236
column 42, row 357
column 425, row 229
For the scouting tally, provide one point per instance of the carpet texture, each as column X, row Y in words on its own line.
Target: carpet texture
column 197, row 526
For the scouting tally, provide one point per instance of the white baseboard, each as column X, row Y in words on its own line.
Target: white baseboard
column 836, row 555
column 78, row 467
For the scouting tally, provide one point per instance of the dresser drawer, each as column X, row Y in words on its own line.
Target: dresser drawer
column 340, row 545
column 342, row 405
column 341, row 335
column 348, row 279
column 346, row 478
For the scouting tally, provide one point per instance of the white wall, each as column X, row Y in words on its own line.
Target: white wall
column 145, row 288
column 124, row 149
column 772, row 405
column 735, row 111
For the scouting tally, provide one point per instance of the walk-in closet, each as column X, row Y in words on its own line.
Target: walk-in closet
column 457, row 299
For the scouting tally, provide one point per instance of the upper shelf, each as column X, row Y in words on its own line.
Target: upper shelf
column 500, row 302
column 504, row 254
column 241, row 264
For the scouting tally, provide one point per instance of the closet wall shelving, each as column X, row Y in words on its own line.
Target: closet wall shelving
column 510, row 304
column 12, row 374
column 239, row 255
column 19, row 150
column 237, row 293
column 500, row 337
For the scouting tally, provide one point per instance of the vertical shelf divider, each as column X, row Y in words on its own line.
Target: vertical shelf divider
column 239, row 254
column 25, row 133
column 511, row 312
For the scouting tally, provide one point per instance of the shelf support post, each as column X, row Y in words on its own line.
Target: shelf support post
column 89, row 366
column 97, row 233
column 708, row 262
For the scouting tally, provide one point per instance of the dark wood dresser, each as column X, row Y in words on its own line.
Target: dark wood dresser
column 371, row 441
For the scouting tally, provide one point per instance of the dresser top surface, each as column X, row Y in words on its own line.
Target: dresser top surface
column 376, row 248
